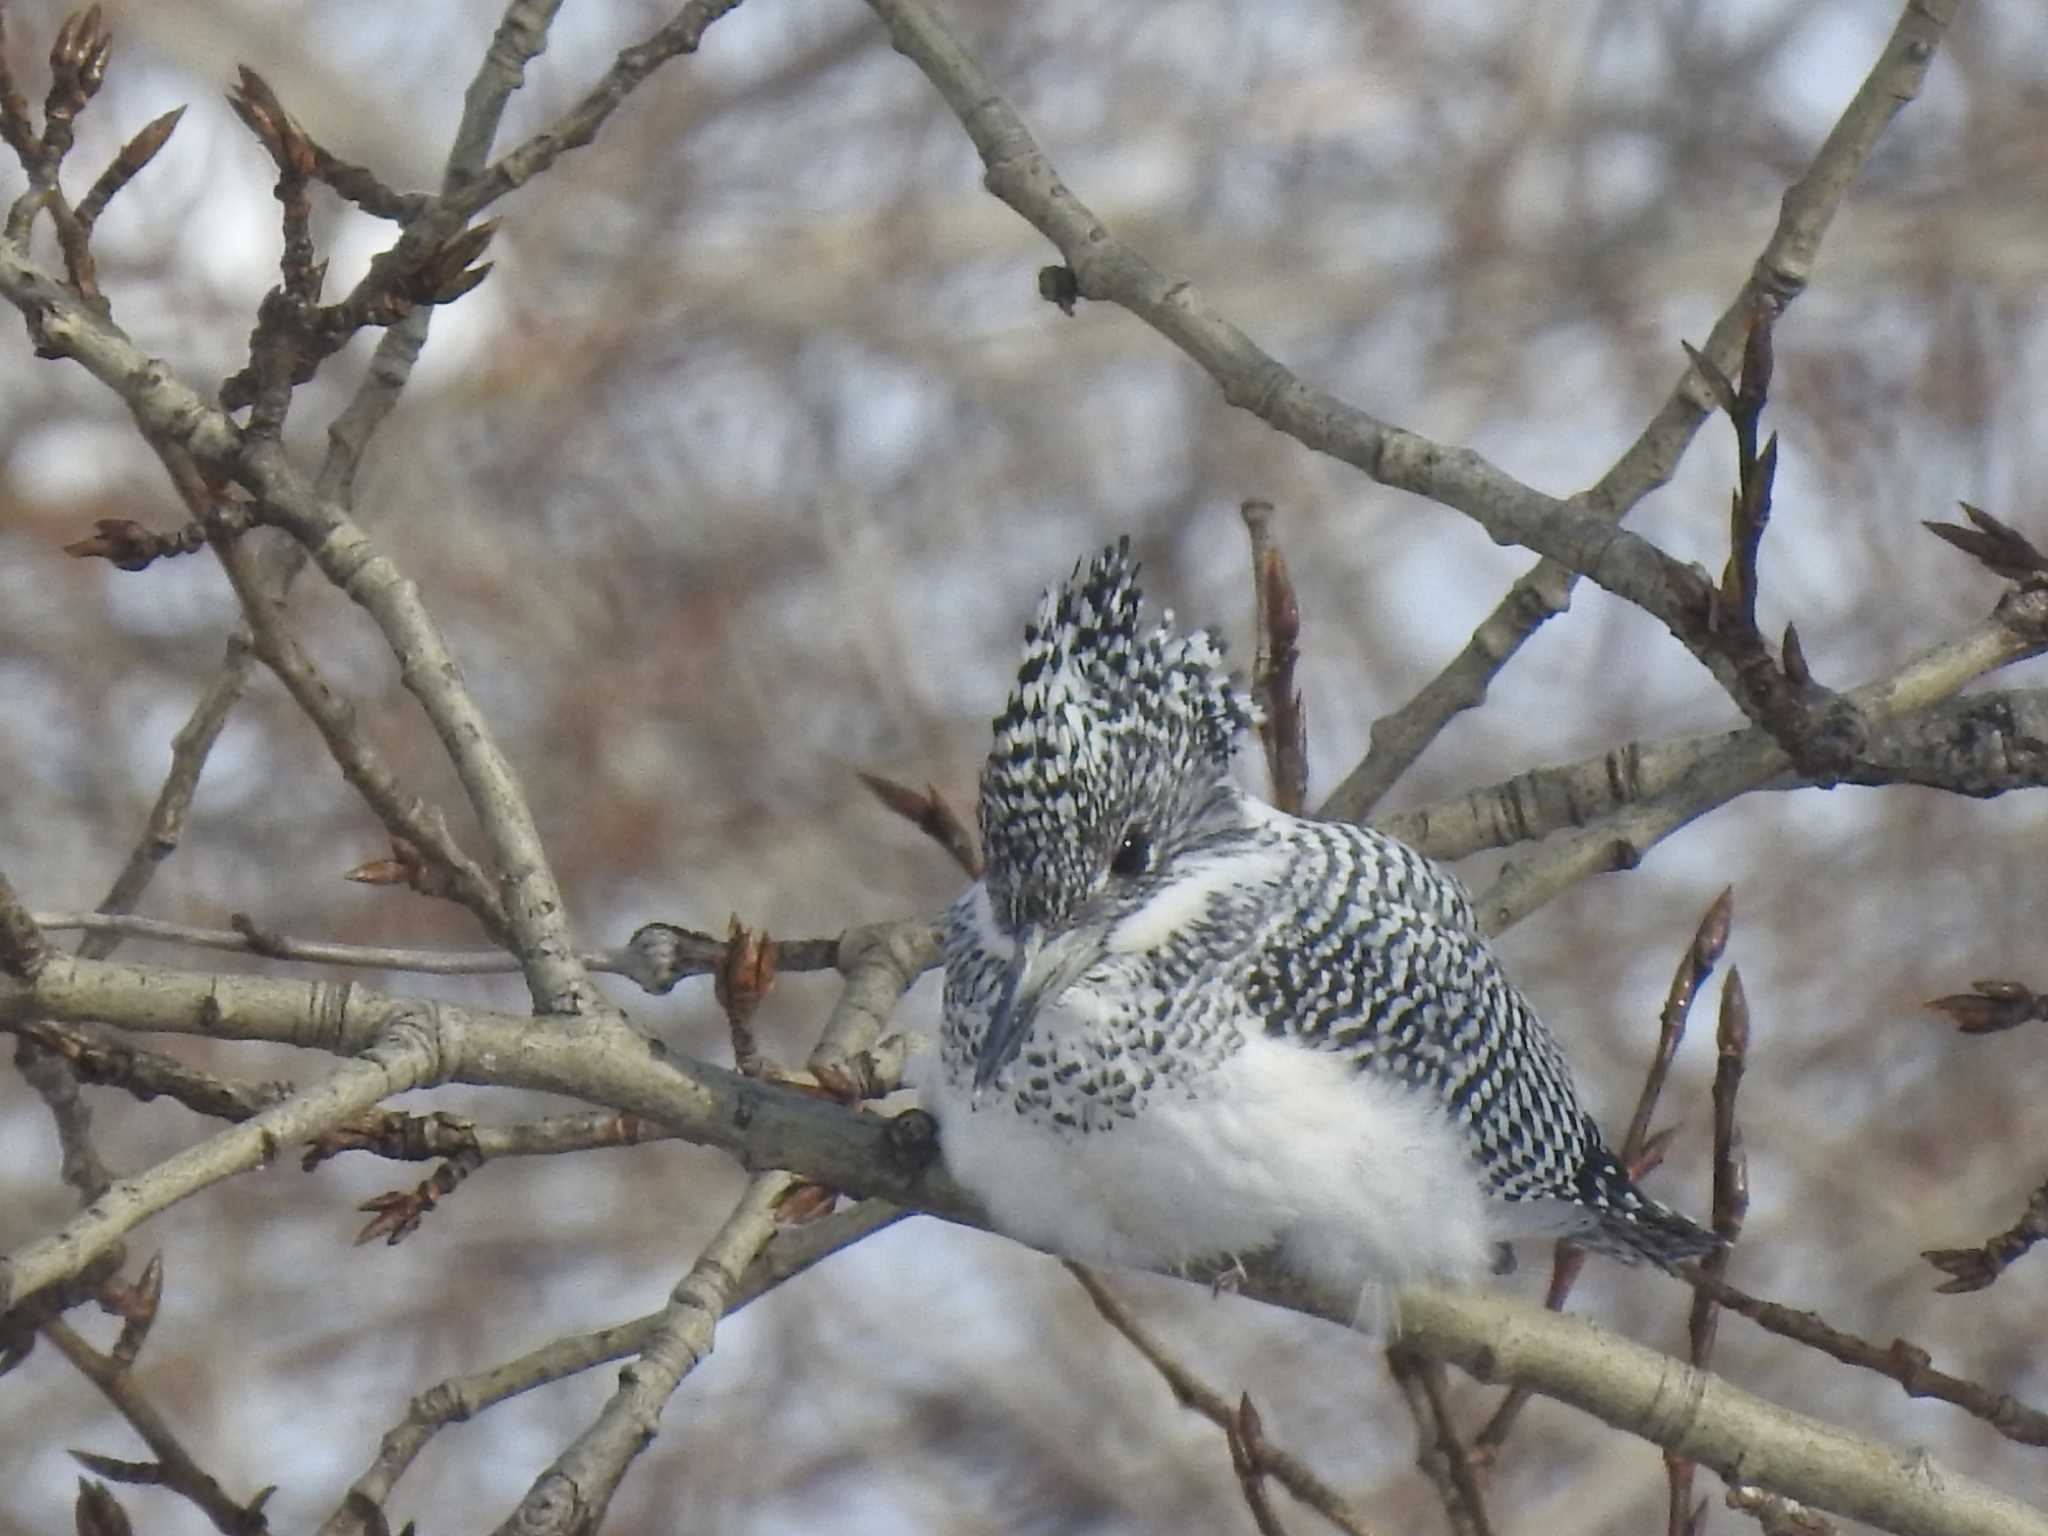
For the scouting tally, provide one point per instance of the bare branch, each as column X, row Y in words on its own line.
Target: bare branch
column 1779, row 275
column 384, row 1070
column 92, row 1057
column 403, row 1043
column 1731, row 1205
column 420, row 824
column 1190, row 1392
column 770, row 1126
column 931, row 815
column 174, row 1467
column 1703, row 1418
column 578, row 127
column 1981, row 745
column 1284, row 729
column 1971, row 1269
column 1444, row 1457
column 880, row 964
column 573, row 1493
column 1905, row 1363
column 1747, row 761
column 790, row 1252
column 23, row 949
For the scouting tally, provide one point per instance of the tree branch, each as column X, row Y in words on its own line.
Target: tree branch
column 1291, row 1472
column 1780, row 273
column 1751, row 759
column 170, row 411
column 574, row 1492
column 789, row 1253
column 1103, row 267
column 767, row 1126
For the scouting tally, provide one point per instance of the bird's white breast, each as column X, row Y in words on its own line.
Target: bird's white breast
column 1359, row 1181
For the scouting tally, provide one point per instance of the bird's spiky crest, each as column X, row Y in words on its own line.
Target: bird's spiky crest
column 1107, row 721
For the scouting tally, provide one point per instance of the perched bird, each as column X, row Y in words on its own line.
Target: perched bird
column 1181, row 1025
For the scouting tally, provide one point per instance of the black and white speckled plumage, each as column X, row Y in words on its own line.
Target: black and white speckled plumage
column 1180, row 1024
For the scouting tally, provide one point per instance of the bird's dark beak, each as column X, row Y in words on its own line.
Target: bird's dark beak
column 1015, row 1004
column 1039, row 970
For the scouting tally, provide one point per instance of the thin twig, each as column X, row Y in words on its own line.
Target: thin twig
column 24, row 953
column 125, row 166
column 1731, row 1205
column 1709, row 943
column 1284, row 728
column 54, row 1064
column 51, row 1077
column 1191, row 1392
column 174, row 1467
column 1971, row 1269
column 165, row 828
column 1901, row 1361
column 400, row 1058
column 95, row 1056
column 1247, row 1438
column 1820, row 730
column 521, row 34
column 574, row 1491
column 792, row 1251
column 579, row 125
column 1781, row 269
column 928, row 811
column 1440, row 1451
column 420, row 823
column 684, row 952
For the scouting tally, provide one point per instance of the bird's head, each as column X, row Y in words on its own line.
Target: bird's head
column 1111, row 757
column 1112, row 754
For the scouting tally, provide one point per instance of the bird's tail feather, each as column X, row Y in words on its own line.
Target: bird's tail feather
column 1628, row 1225
column 1652, row 1231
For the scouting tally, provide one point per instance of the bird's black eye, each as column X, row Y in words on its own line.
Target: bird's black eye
column 1133, row 854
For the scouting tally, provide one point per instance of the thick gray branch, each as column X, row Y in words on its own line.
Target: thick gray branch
column 1984, row 744
column 761, row 1124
